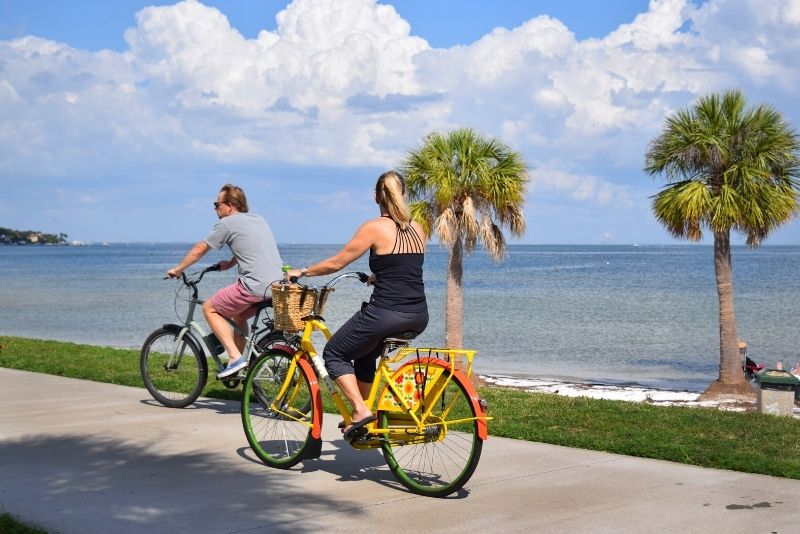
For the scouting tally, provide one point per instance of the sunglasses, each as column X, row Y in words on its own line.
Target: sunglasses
column 218, row 204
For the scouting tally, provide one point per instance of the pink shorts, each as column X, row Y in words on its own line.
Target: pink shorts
column 234, row 300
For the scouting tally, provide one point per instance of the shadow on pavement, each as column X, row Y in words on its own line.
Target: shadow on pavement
column 96, row 485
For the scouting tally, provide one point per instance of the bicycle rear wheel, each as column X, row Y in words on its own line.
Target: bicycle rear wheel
column 439, row 460
column 174, row 370
column 278, row 429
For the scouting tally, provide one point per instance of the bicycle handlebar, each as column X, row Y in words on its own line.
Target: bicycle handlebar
column 362, row 277
column 193, row 283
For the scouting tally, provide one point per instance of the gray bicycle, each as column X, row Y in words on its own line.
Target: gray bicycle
column 174, row 358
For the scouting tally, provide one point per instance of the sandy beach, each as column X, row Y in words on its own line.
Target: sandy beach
column 629, row 393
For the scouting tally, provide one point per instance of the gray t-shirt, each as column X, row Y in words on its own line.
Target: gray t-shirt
column 252, row 243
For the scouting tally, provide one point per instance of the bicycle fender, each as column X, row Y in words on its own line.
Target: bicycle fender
column 189, row 332
column 286, row 349
column 316, row 430
column 474, row 399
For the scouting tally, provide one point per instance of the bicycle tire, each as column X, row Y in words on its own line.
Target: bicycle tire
column 277, row 340
column 278, row 430
column 439, row 462
column 177, row 385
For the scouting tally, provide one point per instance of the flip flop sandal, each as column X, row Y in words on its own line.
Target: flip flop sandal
column 358, row 428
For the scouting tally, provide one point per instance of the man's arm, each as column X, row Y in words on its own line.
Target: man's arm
column 224, row 265
column 194, row 254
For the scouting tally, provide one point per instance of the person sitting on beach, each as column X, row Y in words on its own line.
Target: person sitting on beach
column 256, row 255
column 396, row 254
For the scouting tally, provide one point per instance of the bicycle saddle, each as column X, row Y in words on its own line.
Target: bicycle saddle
column 401, row 337
column 266, row 303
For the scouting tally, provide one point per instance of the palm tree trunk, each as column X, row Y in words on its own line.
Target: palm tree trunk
column 454, row 304
column 730, row 365
column 731, row 378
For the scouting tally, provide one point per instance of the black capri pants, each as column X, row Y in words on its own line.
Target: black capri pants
column 355, row 347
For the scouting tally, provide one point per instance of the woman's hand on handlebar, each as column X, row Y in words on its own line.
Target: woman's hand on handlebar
column 292, row 275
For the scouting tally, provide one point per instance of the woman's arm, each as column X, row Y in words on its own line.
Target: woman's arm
column 354, row 249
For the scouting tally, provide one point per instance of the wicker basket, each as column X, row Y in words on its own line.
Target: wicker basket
column 290, row 306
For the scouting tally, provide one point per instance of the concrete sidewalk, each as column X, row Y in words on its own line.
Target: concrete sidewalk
column 85, row 457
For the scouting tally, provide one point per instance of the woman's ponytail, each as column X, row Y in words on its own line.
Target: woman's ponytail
column 390, row 191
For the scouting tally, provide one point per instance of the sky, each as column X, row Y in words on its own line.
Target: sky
column 119, row 121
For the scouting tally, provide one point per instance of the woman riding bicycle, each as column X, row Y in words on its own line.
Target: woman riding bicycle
column 396, row 254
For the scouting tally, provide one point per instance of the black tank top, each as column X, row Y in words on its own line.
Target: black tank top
column 398, row 275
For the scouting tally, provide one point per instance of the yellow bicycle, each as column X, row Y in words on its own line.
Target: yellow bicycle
column 430, row 423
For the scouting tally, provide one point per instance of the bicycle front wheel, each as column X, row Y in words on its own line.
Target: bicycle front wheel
column 174, row 370
column 439, row 459
column 278, row 428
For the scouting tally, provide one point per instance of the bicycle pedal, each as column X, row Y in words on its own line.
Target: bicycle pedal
column 358, row 436
column 364, row 439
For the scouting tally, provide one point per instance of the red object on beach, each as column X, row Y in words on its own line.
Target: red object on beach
column 751, row 368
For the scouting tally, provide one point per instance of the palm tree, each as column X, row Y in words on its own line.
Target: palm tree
column 727, row 168
column 465, row 188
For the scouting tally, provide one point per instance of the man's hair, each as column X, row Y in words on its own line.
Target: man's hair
column 234, row 195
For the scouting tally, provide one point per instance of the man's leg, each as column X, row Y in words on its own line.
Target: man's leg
column 235, row 302
column 238, row 336
column 223, row 331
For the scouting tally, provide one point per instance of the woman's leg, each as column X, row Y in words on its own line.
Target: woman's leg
column 354, row 339
column 350, row 387
column 351, row 353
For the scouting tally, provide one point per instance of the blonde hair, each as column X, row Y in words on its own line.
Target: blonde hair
column 389, row 192
column 234, row 195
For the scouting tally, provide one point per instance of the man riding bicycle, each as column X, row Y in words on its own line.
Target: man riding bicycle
column 256, row 255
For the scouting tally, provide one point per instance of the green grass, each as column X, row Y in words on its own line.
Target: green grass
column 11, row 525
column 101, row 364
column 747, row 442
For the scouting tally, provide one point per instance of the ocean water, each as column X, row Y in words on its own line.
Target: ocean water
column 642, row 315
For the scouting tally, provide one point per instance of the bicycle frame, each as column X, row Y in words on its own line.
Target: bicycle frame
column 192, row 328
column 429, row 420
column 392, row 399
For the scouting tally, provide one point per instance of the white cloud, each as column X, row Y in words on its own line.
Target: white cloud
column 322, row 53
column 759, row 41
column 505, row 53
column 343, row 201
column 192, row 84
column 650, row 31
column 581, row 188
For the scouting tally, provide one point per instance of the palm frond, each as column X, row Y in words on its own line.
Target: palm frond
column 422, row 212
column 744, row 163
column 478, row 179
column 446, row 227
column 469, row 224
